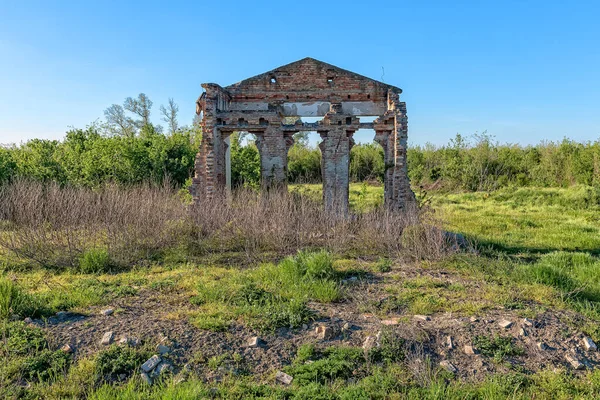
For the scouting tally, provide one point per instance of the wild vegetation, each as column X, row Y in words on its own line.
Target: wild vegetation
column 97, row 235
column 232, row 272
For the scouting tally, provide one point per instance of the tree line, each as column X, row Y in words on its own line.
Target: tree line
column 127, row 148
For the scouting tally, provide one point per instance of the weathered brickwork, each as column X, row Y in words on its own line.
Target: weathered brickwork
column 308, row 87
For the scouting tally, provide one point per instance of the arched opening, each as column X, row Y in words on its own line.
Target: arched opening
column 244, row 160
column 304, row 161
column 367, row 169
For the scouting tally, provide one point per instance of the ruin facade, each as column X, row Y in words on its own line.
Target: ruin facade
column 305, row 88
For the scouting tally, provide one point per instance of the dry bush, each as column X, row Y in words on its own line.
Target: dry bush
column 284, row 222
column 54, row 226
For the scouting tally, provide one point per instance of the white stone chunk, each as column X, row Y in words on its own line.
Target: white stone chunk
column 151, row 363
column 448, row 366
column 283, row 378
column 589, row 344
column 107, row 338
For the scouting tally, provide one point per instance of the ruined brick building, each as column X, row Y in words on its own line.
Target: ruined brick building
column 305, row 88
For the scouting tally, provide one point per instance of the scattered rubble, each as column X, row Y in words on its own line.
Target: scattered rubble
column 589, row 344
column 528, row 322
column 522, row 332
column 542, row 346
column 448, row 366
column 67, row 348
column 107, row 312
column 152, row 362
column 324, row 332
column 254, row 342
column 162, row 368
column 283, row 378
column 422, row 317
column 505, row 324
column 470, row 350
column 107, row 338
column 575, row 363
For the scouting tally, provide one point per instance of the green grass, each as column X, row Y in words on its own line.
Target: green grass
column 525, row 221
column 269, row 296
column 363, row 197
column 537, row 250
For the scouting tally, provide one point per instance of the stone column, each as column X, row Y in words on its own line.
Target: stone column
column 273, row 157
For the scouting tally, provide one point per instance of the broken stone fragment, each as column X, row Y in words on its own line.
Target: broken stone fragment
column 162, row 368
column 449, row 343
column 589, row 344
column 162, row 349
column 575, row 363
column 254, row 342
column 151, row 363
column 422, row 317
column 346, row 327
column 107, row 312
column 107, row 338
column 448, row 366
column 369, row 342
column 474, row 319
column 125, row 340
column 542, row 346
column 389, row 322
column 324, row 332
column 527, row 322
column 505, row 324
column 470, row 350
column 67, row 348
column 522, row 332
column 283, row 378
column 28, row 320
column 146, row 378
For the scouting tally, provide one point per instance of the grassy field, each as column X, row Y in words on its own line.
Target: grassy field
column 535, row 256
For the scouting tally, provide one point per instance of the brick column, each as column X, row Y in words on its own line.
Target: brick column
column 335, row 162
column 209, row 167
column 273, row 150
column 398, row 194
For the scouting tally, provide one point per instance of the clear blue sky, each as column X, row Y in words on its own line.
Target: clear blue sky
column 522, row 70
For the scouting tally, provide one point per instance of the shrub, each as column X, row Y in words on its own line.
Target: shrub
column 94, row 261
column 318, row 265
column 118, row 360
column 22, row 339
column 13, row 301
column 383, row 265
column 45, row 366
column 310, row 265
column 333, row 363
column 497, row 347
column 390, row 347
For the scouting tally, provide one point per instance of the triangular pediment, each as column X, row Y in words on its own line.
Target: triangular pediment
column 309, row 74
